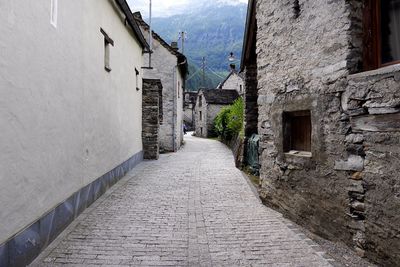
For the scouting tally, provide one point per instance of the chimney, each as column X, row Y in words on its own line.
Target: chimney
column 174, row 46
column 137, row 15
column 233, row 67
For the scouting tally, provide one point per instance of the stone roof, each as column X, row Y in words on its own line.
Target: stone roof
column 220, row 97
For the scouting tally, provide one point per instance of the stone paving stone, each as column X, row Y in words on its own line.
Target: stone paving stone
column 191, row 208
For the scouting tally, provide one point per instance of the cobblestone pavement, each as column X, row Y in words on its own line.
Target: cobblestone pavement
column 191, row 208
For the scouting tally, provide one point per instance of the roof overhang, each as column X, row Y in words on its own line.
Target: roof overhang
column 123, row 5
column 250, row 34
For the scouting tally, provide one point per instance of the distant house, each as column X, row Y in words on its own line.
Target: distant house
column 171, row 67
column 234, row 81
column 71, row 114
column 189, row 110
column 209, row 103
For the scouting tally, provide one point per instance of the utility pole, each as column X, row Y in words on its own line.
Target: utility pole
column 204, row 72
column 182, row 36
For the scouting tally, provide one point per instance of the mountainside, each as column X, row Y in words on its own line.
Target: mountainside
column 213, row 31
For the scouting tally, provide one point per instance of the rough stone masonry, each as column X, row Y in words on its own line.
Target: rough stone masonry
column 347, row 188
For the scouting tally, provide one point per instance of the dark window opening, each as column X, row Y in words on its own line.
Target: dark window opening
column 137, row 79
column 108, row 42
column 381, row 33
column 200, row 115
column 296, row 9
column 200, row 100
column 390, row 31
column 297, row 131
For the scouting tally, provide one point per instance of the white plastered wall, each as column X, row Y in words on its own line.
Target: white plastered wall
column 65, row 121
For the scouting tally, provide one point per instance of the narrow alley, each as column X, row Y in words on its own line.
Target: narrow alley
column 191, row 208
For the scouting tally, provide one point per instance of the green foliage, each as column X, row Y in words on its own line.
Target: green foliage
column 229, row 121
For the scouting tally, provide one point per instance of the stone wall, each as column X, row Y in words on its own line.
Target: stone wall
column 201, row 111
column 372, row 102
column 347, row 188
column 234, row 82
column 152, row 92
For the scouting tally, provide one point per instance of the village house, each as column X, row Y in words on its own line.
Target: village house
column 325, row 75
column 208, row 104
column 70, row 113
column 171, row 67
column 189, row 110
column 234, row 81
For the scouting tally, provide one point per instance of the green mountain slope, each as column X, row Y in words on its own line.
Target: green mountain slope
column 213, row 31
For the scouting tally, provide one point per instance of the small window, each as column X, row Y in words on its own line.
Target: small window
column 54, row 12
column 297, row 131
column 296, row 9
column 241, row 88
column 200, row 115
column 179, row 89
column 137, row 79
column 201, row 131
column 381, row 33
column 108, row 42
column 200, row 100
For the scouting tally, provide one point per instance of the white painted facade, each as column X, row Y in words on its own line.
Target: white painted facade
column 164, row 66
column 65, row 120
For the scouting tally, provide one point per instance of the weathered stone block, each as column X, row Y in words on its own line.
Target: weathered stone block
column 355, row 138
column 354, row 163
column 356, row 187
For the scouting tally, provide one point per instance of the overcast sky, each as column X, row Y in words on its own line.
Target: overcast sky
column 165, row 8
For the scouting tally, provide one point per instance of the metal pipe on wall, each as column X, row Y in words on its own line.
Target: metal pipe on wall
column 150, row 33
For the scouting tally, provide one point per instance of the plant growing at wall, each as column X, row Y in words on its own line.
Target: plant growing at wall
column 229, row 121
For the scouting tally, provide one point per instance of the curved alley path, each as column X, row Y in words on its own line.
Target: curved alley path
column 191, row 208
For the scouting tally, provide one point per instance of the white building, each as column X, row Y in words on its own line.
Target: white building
column 169, row 66
column 70, row 114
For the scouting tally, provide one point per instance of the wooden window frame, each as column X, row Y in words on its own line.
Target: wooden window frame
column 372, row 54
column 289, row 122
column 108, row 42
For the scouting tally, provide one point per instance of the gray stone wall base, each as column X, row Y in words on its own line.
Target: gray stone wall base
column 24, row 247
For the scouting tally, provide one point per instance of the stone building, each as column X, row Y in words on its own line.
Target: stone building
column 189, row 110
column 171, row 67
column 70, row 114
column 328, row 116
column 208, row 104
column 234, row 81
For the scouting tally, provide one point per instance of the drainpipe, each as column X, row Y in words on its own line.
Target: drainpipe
column 174, row 116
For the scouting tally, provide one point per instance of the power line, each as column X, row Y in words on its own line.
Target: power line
column 197, row 71
column 212, row 71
